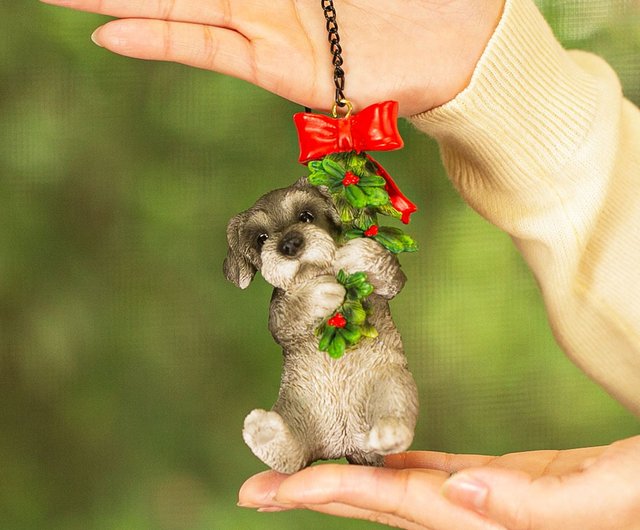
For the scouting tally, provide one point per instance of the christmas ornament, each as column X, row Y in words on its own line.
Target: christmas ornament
column 345, row 390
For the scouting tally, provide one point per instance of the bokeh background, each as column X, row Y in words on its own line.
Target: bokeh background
column 128, row 363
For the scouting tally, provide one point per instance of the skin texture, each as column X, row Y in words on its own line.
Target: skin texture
column 253, row 39
column 423, row 55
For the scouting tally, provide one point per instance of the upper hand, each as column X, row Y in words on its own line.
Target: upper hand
column 581, row 489
column 421, row 54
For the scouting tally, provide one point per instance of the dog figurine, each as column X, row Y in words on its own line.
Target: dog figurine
column 361, row 406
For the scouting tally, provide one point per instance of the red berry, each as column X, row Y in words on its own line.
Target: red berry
column 371, row 231
column 337, row 321
column 350, row 179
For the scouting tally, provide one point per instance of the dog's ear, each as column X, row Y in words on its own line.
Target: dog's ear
column 302, row 184
column 237, row 268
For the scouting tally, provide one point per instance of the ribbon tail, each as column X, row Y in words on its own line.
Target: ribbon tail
column 398, row 200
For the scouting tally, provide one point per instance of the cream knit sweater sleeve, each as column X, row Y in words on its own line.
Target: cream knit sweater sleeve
column 543, row 144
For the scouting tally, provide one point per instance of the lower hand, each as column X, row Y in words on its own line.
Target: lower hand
column 421, row 54
column 593, row 488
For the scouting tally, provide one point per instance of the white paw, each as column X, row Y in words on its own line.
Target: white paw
column 358, row 255
column 262, row 428
column 266, row 433
column 325, row 296
column 388, row 436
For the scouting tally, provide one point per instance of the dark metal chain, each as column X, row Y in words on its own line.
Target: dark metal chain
column 336, row 51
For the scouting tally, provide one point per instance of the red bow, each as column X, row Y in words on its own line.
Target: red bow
column 372, row 129
column 375, row 128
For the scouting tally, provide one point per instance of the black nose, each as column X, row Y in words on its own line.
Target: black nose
column 291, row 244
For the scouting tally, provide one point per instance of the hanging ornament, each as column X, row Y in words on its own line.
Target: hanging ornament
column 345, row 390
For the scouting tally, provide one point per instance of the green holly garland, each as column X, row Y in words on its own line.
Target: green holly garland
column 360, row 196
column 349, row 323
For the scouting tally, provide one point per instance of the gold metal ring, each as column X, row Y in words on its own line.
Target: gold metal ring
column 346, row 103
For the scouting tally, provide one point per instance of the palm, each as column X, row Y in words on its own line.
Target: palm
column 533, row 490
column 281, row 45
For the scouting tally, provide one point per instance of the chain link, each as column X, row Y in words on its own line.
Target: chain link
column 336, row 51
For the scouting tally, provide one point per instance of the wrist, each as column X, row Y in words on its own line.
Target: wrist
column 469, row 39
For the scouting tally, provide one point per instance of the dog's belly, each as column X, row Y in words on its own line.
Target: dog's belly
column 325, row 400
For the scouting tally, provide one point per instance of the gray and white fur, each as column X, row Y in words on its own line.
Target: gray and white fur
column 361, row 406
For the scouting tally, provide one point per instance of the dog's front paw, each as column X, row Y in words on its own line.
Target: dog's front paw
column 325, row 295
column 389, row 435
column 382, row 267
column 266, row 433
column 357, row 254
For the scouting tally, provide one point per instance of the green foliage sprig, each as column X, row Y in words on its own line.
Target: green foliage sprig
column 393, row 239
column 350, row 322
column 360, row 196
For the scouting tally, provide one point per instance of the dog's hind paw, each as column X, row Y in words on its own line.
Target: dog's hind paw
column 389, row 435
column 262, row 427
column 268, row 436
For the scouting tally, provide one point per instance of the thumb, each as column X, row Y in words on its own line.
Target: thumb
column 505, row 496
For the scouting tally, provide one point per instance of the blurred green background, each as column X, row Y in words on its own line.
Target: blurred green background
column 128, row 363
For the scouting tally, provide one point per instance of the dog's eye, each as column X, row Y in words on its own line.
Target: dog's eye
column 306, row 217
column 262, row 238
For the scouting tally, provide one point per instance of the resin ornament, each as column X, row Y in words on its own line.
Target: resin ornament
column 356, row 399
column 345, row 389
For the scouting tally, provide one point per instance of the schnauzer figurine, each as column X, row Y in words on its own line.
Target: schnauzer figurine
column 361, row 406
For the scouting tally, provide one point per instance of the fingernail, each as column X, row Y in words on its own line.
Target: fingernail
column 266, row 507
column 466, row 491
column 273, row 509
column 94, row 38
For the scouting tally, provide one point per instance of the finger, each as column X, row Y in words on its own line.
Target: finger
column 413, row 495
column 212, row 12
column 351, row 512
column 219, row 49
column 259, row 491
column 515, row 500
column 447, row 462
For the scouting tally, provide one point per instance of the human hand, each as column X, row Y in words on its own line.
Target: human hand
column 421, row 54
column 580, row 489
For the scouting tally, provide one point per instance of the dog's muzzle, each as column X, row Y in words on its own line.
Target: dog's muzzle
column 291, row 244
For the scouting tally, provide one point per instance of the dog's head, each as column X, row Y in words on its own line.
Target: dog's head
column 286, row 233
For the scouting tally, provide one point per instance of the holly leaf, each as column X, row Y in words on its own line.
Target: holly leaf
column 342, row 277
column 320, row 178
column 354, row 233
column 355, row 196
column 395, row 240
column 388, row 209
column 368, row 331
column 332, row 167
column 375, row 196
column 351, row 334
column 355, row 279
column 364, row 290
column 354, row 312
column 326, row 338
column 372, row 180
column 337, row 346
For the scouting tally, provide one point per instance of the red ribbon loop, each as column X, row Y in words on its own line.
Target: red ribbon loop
column 398, row 199
column 372, row 129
